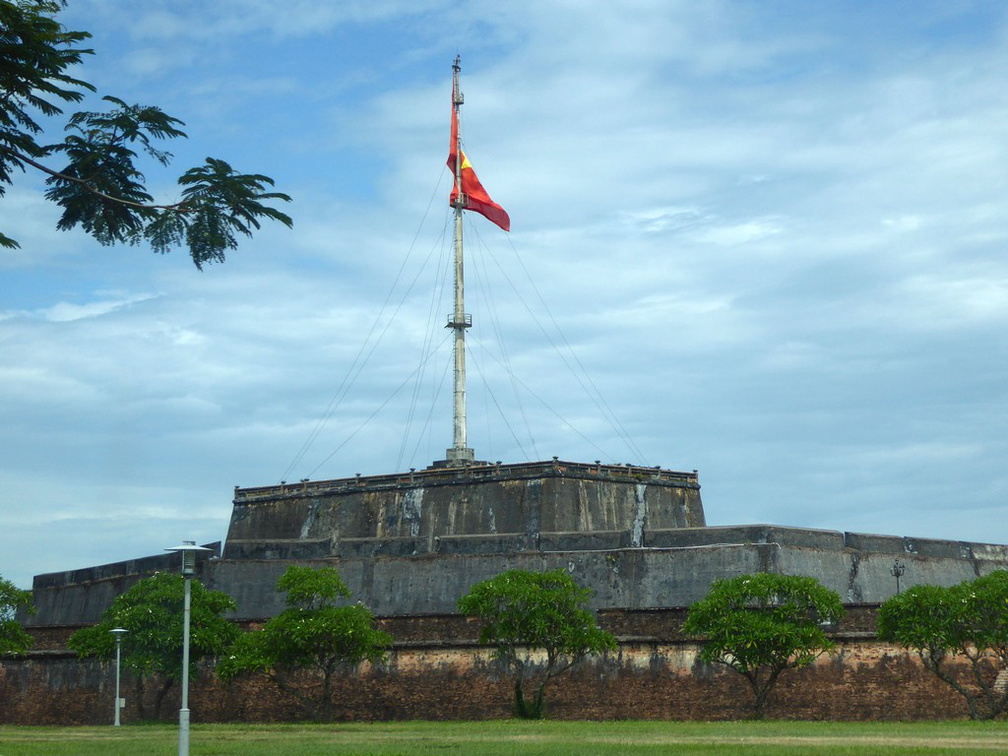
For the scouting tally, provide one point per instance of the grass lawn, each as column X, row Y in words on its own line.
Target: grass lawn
column 505, row 738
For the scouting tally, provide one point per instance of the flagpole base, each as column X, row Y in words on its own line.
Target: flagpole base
column 461, row 456
column 456, row 457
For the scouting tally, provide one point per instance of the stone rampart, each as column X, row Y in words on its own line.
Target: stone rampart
column 437, row 670
column 394, row 578
column 414, row 543
column 440, row 508
column 81, row 596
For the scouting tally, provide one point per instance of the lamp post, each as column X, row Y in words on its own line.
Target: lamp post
column 118, row 632
column 897, row 572
column 188, row 549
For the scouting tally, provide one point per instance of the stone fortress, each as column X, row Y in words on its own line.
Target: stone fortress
column 412, row 544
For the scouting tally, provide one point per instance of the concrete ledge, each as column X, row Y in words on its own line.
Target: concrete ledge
column 467, row 474
column 989, row 552
column 599, row 540
column 350, row 548
column 279, row 548
column 755, row 534
column 501, row 543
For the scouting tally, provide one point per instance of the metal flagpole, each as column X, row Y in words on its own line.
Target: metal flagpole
column 459, row 320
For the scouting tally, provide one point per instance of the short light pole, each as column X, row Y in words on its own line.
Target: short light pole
column 897, row 572
column 118, row 632
column 188, row 549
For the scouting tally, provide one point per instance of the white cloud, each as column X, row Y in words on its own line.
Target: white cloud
column 63, row 312
column 949, row 301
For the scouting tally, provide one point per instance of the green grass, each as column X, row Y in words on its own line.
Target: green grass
column 504, row 738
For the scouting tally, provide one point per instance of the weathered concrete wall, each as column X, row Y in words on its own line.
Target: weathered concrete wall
column 858, row 566
column 414, row 543
column 437, row 671
column 415, row 513
column 630, row 578
column 77, row 596
column 393, row 580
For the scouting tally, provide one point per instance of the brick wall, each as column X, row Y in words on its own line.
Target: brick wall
column 437, row 671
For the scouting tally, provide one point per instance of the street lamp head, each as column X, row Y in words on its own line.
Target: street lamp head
column 188, row 549
column 118, row 632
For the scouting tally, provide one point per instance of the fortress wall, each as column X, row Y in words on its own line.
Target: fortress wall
column 77, row 596
column 627, row 578
column 398, row 577
column 414, row 543
column 557, row 497
column 860, row 576
column 654, row 674
column 432, row 584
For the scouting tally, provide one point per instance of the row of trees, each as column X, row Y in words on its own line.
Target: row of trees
column 760, row 625
column 537, row 622
column 539, row 625
column 315, row 632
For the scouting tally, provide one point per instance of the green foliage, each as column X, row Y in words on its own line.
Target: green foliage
column 945, row 625
column 759, row 625
column 36, row 53
column 540, row 626
column 310, row 588
column 152, row 613
column 13, row 639
column 922, row 618
column 101, row 188
column 313, row 633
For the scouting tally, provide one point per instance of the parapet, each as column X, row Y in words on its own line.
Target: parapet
column 81, row 596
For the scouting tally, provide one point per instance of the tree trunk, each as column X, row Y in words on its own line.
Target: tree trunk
column 936, row 666
column 539, row 702
column 526, row 709
column 761, row 690
column 139, row 696
column 759, row 702
column 326, row 704
column 160, row 697
column 521, row 708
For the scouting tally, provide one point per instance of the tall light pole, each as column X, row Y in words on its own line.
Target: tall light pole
column 188, row 549
column 118, row 633
column 897, row 572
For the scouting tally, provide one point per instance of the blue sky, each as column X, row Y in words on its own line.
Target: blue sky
column 768, row 237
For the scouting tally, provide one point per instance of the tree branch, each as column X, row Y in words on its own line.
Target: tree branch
column 85, row 183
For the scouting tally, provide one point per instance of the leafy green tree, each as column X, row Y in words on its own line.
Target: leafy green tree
column 945, row 626
column 760, row 625
column 152, row 613
column 540, row 626
column 13, row 639
column 98, row 182
column 314, row 632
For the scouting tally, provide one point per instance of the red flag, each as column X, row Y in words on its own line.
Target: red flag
column 477, row 196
